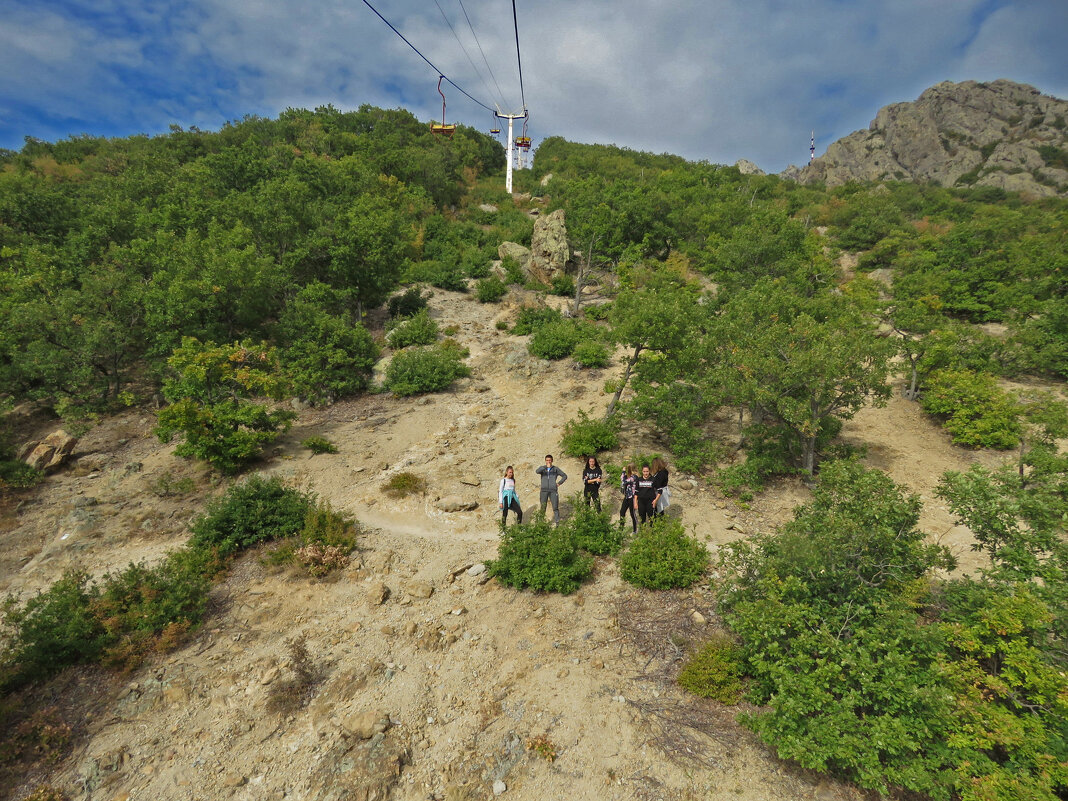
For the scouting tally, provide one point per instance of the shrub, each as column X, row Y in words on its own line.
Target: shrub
column 319, row 560
column 663, row 556
column 293, row 693
column 541, row 557
column 430, row 369
column 594, row 530
column 319, row 445
column 419, row 329
column 715, row 671
column 19, row 475
column 597, row 311
column 400, row 485
column 490, row 290
column 532, row 318
column 254, row 511
column 208, row 393
column 409, row 302
column 439, row 274
column 170, row 486
column 563, row 285
column 975, row 410
column 54, row 629
column 591, row 354
column 512, row 271
column 554, row 340
column 586, row 436
column 332, row 359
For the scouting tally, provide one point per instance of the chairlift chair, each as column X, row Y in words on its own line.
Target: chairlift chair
column 444, row 129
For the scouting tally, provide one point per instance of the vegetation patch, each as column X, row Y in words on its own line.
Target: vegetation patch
column 715, row 671
column 595, row 531
column 976, row 412
column 401, row 485
column 318, row 445
column 585, row 436
column 540, row 557
column 419, row 329
column 490, row 289
column 428, row 369
column 662, row 556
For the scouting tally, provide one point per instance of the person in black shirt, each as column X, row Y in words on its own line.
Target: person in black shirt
column 647, row 495
column 628, row 482
column 591, row 482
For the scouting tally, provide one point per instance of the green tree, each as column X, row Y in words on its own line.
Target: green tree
column 209, row 402
column 801, row 361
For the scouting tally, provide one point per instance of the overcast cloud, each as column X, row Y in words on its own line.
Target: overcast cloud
column 707, row 79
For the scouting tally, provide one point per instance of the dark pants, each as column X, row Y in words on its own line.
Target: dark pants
column 513, row 504
column 592, row 491
column 553, row 497
column 645, row 509
column 628, row 506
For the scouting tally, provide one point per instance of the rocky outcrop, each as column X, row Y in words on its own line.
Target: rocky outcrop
column 51, row 452
column 549, row 251
column 513, row 250
column 746, row 167
column 999, row 134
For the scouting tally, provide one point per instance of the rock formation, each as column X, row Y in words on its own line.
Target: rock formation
column 549, row 251
column 51, row 452
column 1000, row 134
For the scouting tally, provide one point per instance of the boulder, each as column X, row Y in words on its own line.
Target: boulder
column 454, row 503
column 549, row 251
column 514, row 251
column 489, row 208
column 52, row 451
column 365, row 725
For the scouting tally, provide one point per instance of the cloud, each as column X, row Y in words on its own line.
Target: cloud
column 720, row 81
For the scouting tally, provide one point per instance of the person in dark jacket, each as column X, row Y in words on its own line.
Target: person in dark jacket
column 551, row 479
column 646, row 496
column 592, row 476
column 660, row 481
column 628, row 482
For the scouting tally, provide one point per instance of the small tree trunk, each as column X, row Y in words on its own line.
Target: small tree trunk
column 808, row 455
column 623, row 382
column 910, row 393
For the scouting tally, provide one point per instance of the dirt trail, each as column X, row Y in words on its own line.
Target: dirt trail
column 459, row 672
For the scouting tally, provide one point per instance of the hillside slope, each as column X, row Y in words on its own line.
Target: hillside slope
column 466, row 671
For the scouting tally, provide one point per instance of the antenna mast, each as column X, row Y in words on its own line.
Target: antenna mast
column 812, row 148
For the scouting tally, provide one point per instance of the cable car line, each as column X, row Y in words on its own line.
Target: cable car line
column 485, row 61
column 428, row 61
column 456, row 36
column 519, row 59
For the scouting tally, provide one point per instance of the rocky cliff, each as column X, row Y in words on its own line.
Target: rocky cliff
column 1001, row 134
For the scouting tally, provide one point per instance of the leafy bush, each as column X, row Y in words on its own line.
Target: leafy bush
column 319, row 445
column 715, row 671
column 401, row 485
column 332, row 359
column 585, row 436
column 419, row 329
column 541, row 557
column 430, row 369
column 554, row 340
column 595, row 531
column 663, row 556
column 563, row 285
column 597, row 311
column 512, row 271
column 591, row 354
column 208, row 402
column 532, row 318
column 490, row 290
column 254, row 511
column 409, row 302
column 976, row 411
column 20, row 475
column 444, row 276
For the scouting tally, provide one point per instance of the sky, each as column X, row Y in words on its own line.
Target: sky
column 715, row 80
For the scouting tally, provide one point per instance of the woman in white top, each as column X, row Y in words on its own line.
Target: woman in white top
column 507, row 498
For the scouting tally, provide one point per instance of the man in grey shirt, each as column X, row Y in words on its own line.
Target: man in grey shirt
column 551, row 478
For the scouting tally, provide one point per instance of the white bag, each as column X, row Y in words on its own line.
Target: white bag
column 665, row 499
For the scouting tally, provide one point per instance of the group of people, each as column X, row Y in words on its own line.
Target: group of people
column 645, row 493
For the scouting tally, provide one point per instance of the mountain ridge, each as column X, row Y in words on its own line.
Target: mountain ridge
column 999, row 134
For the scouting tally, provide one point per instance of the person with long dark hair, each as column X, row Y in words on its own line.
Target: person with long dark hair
column 507, row 497
column 628, row 483
column 646, row 495
column 592, row 476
